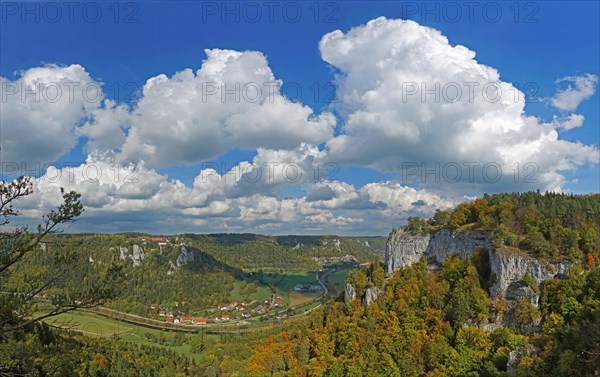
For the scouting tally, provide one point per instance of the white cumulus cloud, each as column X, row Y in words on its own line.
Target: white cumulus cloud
column 410, row 97
column 568, row 122
column 40, row 112
column 580, row 88
column 233, row 100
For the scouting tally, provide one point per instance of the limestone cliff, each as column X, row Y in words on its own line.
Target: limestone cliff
column 184, row 256
column 512, row 267
column 349, row 293
column 371, row 295
column 403, row 249
column 463, row 244
column 137, row 254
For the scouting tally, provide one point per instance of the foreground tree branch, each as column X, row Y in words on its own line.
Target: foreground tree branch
column 20, row 243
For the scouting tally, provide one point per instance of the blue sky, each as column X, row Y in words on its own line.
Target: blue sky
column 529, row 43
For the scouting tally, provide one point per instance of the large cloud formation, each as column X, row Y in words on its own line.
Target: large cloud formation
column 410, row 97
column 409, row 102
column 233, row 100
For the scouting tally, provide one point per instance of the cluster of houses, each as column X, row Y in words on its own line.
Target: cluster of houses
column 226, row 312
column 245, row 310
column 159, row 240
column 307, row 287
column 170, row 317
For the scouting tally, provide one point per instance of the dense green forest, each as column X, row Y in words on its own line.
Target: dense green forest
column 253, row 252
column 41, row 351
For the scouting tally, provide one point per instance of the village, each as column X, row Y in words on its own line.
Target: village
column 235, row 310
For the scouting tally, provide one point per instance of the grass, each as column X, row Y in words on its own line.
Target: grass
column 298, row 298
column 262, row 292
column 91, row 324
column 284, row 284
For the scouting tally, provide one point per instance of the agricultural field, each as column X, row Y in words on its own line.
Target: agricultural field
column 95, row 325
column 299, row 298
column 284, row 284
column 239, row 286
column 195, row 345
column 90, row 324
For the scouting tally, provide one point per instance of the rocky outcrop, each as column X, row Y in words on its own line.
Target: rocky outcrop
column 515, row 356
column 403, row 249
column 463, row 244
column 512, row 267
column 371, row 295
column 337, row 244
column 172, row 268
column 124, row 252
column 137, row 254
column 349, row 294
column 184, row 256
column 518, row 291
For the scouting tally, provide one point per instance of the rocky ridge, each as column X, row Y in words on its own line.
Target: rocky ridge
column 403, row 249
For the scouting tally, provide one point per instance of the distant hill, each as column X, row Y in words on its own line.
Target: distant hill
column 201, row 269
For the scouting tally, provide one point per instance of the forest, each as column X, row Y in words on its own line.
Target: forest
column 433, row 324
column 550, row 226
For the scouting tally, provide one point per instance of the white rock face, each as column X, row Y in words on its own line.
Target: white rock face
column 404, row 249
column 513, row 267
column 518, row 290
column 349, row 293
column 337, row 243
column 172, row 268
column 124, row 252
column 371, row 295
column 137, row 254
column 515, row 356
column 184, row 256
column 463, row 244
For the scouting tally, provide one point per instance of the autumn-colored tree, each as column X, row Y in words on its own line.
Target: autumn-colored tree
column 591, row 261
